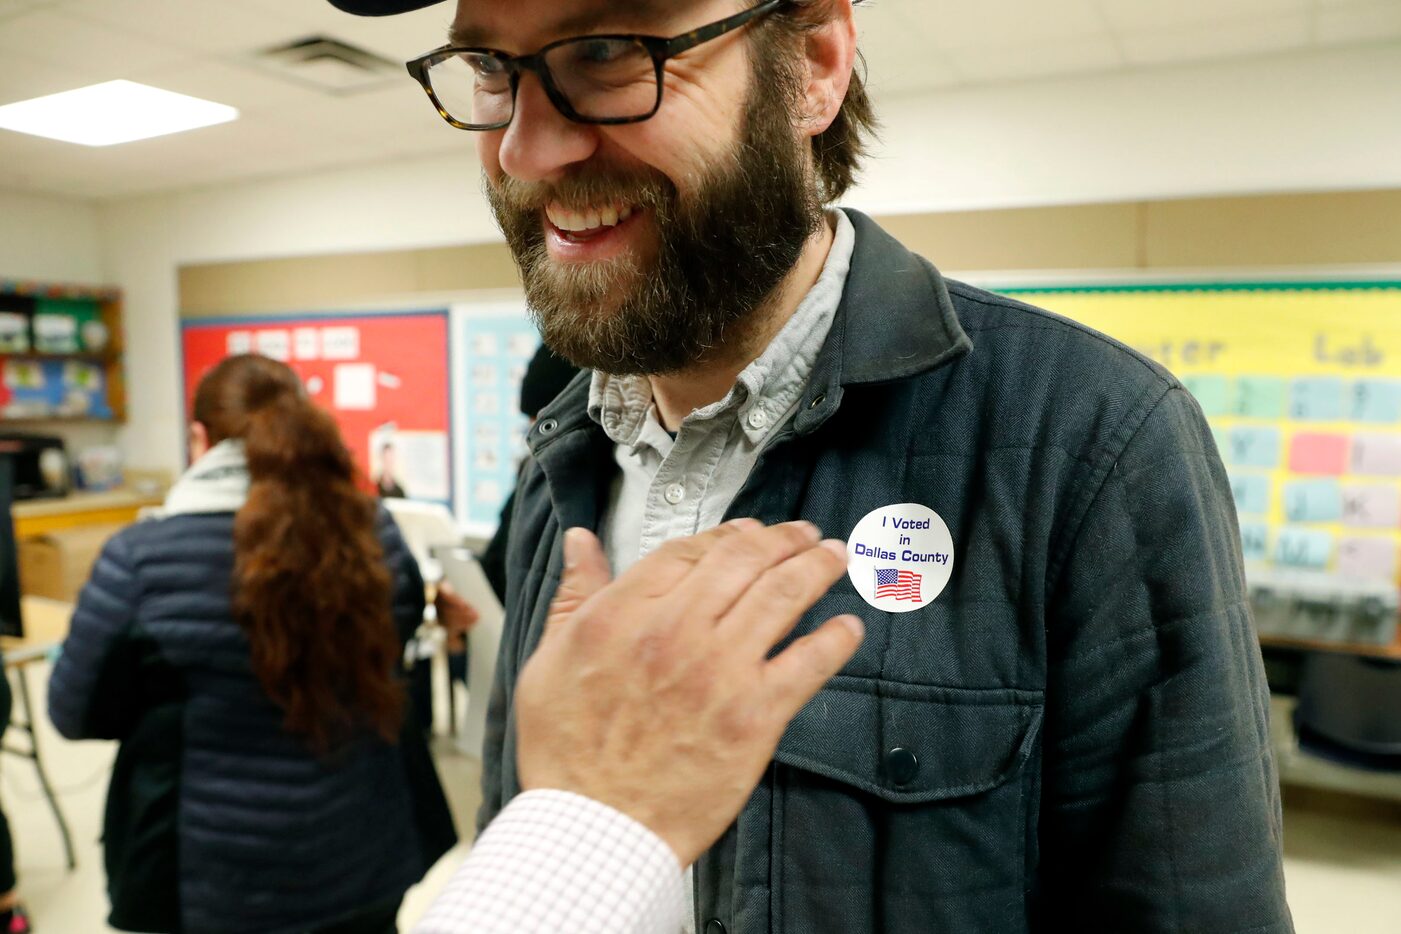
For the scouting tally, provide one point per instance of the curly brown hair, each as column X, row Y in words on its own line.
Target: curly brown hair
column 311, row 589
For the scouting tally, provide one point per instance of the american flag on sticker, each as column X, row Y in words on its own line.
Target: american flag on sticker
column 892, row 583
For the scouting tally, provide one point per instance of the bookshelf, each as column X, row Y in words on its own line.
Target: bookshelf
column 61, row 354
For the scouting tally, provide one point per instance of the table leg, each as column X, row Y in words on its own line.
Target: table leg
column 29, row 727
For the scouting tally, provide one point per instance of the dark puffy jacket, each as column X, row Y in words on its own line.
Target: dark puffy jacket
column 217, row 819
column 1074, row 735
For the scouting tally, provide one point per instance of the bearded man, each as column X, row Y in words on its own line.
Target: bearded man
column 1058, row 717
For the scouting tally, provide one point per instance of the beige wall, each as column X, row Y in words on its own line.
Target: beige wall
column 1205, row 233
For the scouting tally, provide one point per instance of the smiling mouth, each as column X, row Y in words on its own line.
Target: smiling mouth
column 582, row 225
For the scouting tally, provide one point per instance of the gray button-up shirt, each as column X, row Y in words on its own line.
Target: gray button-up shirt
column 673, row 487
column 670, row 488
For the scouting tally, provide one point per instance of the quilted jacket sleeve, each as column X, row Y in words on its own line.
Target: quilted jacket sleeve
column 408, row 595
column 1161, row 807
column 90, row 692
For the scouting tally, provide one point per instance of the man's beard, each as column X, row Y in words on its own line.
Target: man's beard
column 722, row 250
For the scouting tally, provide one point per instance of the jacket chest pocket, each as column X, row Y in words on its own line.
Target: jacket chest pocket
column 902, row 808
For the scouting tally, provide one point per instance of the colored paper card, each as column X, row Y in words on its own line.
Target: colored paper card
column 1303, row 548
column 1371, row 558
column 1377, row 401
column 1372, row 507
column 306, row 343
column 1318, row 399
column 1254, row 447
column 1260, row 397
column 1252, row 493
column 1377, row 455
column 355, row 387
column 1313, row 501
column 1212, row 392
column 274, row 344
column 340, row 343
column 1319, row 454
column 1254, row 541
column 239, row 342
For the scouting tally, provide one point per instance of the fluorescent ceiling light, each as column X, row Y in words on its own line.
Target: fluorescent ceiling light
column 112, row 112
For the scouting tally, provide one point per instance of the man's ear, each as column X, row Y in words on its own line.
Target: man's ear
column 830, row 57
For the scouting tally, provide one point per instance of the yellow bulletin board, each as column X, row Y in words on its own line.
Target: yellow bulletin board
column 1301, row 384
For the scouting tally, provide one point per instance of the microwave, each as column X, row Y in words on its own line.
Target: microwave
column 41, row 466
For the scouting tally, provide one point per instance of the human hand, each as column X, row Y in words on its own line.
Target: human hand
column 455, row 614
column 654, row 693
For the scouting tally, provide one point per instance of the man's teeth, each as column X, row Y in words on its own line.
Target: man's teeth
column 592, row 219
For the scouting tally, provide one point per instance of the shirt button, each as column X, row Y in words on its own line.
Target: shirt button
column 675, row 494
column 758, row 419
column 902, row 765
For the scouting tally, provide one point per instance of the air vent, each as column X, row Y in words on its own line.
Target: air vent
column 329, row 65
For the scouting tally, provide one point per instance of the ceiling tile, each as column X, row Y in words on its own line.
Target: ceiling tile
column 10, row 8
column 54, row 36
column 234, row 83
column 1339, row 23
column 958, row 24
column 900, row 56
column 1217, row 40
column 1136, row 15
column 397, row 38
column 22, row 77
column 1063, row 57
column 196, row 25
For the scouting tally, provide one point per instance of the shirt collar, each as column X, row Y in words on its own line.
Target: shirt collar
column 767, row 388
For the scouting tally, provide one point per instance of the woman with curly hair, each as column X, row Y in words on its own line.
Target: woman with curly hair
column 245, row 649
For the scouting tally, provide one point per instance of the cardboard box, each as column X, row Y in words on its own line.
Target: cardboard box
column 57, row 564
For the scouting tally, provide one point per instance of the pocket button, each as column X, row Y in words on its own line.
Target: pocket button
column 902, row 765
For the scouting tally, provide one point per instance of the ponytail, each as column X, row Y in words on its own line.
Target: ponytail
column 311, row 589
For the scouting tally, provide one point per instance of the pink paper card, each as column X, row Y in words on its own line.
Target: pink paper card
column 1377, row 455
column 1368, row 558
column 1375, row 506
column 1314, row 453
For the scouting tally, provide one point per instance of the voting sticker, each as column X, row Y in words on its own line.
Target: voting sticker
column 900, row 557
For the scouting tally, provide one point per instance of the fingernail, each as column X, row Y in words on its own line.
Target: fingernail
column 744, row 522
column 858, row 628
column 812, row 531
column 836, row 547
column 571, row 547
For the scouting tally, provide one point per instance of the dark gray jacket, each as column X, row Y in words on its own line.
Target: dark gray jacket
column 218, row 821
column 1085, row 701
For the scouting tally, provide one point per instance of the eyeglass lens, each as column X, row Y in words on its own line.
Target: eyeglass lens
column 601, row 78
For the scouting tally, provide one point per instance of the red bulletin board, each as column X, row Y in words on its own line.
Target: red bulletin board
column 384, row 377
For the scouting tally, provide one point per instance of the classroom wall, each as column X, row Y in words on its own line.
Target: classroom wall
column 57, row 240
column 1299, row 123
column 1302, row 122
column 49, row 239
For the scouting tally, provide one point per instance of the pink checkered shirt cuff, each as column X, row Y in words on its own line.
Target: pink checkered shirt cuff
column 556, row 861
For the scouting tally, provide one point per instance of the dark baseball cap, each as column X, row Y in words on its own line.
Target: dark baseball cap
column 381, row 7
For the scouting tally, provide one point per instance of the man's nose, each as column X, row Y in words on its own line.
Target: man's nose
column 541, row 142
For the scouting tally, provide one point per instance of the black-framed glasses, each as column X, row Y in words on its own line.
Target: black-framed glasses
column 607, row 79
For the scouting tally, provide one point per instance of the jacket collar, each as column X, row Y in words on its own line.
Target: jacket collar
column 895, row 321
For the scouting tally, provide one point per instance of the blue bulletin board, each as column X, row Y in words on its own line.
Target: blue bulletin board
column 494, row 345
